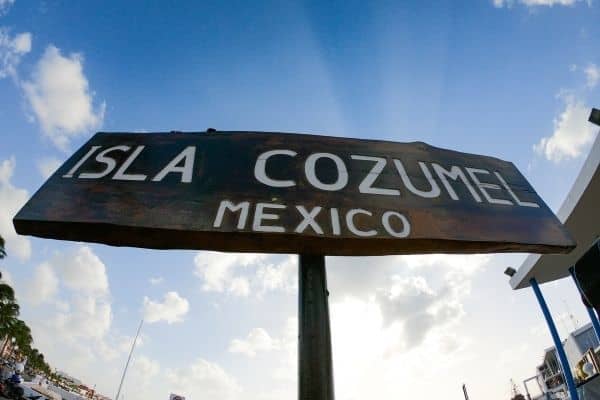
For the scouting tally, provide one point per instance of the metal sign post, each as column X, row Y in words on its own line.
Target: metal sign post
column 315, row 366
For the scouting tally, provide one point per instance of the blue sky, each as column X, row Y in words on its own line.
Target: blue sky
column 511, row 79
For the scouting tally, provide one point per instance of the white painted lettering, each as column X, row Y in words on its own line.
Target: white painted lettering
column 102, row 158
column 350, row 222
column 485, row 186
column 122, row 175
column 454, row 173
column 186, row 170
column 260, row 215
column 260, row 169
column 385, row 220
column 309, row 220
column 227, row 205
column 309, row 169
column 432, row 193
column 366, row 186
column 513, row 195
column 335, row 221
column 91, row 151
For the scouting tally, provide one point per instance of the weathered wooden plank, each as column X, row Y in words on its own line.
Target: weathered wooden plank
column 289, row 193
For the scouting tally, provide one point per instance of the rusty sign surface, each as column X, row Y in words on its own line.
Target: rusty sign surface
column 289, row 193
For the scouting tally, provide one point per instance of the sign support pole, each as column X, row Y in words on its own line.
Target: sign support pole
column 315, row 366
column 560, row 351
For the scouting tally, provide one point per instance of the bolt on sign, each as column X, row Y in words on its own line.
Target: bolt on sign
column 289, row 193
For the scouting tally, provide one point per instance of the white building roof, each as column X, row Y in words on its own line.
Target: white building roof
column 580, row 212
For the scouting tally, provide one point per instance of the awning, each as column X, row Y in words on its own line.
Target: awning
column 580, row 213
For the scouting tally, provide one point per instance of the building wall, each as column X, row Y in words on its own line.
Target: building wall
column 579, row 342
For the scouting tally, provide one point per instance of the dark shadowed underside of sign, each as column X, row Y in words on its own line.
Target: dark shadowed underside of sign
column 289, row 193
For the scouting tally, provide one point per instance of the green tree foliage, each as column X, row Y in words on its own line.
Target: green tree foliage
column 36, row 361
column 7, row 294
column 22, row 334
column 9, row 309
column 12, row 327
column 2, row 249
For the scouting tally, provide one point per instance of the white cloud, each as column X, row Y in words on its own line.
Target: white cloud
column 12, row 49
column 258, row 340
column 241, row 274
column 89, row 316
column 396, row 323
column 11, row 201
column 288, row 344
column 22, row 43
column 172, row 309
column 572, row 133
column 410, row 333
column 156, row 280
column 408, row 296
column 88, row 311
column 5, row 6
column 369, row 364
column 113, row 345
column 202, row 380
column 592, row 75
column 280, row 352
column 148, row 368
column 47, row 166
column 455, row 264
column 355, row 277
column 43, row 284
column 217, row 270
column 402, row 337
column 239, row 286
column 144, row 370
column 125, row 342
column 82, row 270
column 72, row 326
column 412, row 302
column 72, row 322
column 144, row 380
column 75, row 282
column 413, row 298
column 420, row 309
column 60, row 98
column 279, row 276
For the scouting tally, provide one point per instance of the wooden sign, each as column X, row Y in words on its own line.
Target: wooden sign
column 289, row 193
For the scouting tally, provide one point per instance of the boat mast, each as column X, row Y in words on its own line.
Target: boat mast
column 129, row 359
